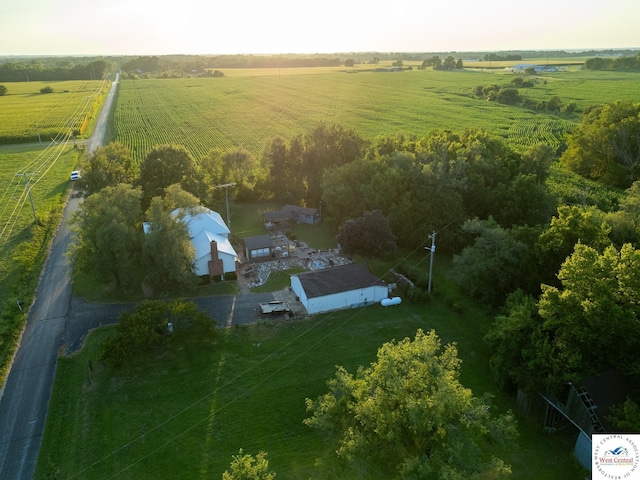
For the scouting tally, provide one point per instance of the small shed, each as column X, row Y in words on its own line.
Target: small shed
column 338, row 288
column 302, row 214
column 259, row 247
column 292, row 213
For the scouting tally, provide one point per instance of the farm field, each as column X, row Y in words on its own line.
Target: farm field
column 26, row 115
column 182, row 411
column 246, row 110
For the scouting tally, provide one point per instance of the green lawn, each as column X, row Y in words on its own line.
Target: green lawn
column 182, row 411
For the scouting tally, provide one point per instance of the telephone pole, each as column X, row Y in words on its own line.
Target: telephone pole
column 26, row 182
column 37, row 130
column 226, row 191
column 433, row 252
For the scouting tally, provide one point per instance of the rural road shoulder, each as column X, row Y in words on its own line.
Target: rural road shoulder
column 25, row 396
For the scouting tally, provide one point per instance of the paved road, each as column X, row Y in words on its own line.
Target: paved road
column 57, row 322
column 25, row 398
column 26, row 395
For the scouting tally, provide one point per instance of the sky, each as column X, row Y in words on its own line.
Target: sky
column 157, row 27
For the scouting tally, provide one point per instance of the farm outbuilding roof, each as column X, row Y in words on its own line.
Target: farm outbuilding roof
column 259, row 241
column 333, row 280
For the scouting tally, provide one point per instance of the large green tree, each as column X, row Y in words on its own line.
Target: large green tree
column 606, row 144
column 593, row 317
column 247, row 467
column 587, row 325
column 408, row 416
column 493, row 179
column 413, row 199
column 168, row 254
column 324, row 147
column 240, row 167
column 153, row 323
column 166, row 165
column 571, row 225
column 368, row 235
column 495, row 264
column 107, row 167
column 283, row 161
column 109, row 237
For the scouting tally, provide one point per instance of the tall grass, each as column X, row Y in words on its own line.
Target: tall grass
column 24, row 244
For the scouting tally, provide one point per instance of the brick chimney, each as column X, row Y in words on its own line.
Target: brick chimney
column 215, row 264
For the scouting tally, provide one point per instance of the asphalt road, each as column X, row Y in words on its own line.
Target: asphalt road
column 59, row 323
column 26, row 393
column 24, row 403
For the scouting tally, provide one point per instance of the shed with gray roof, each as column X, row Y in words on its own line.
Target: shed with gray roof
column 338, row 288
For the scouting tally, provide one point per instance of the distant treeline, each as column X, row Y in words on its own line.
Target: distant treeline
column 189, row 63
column 613, row 63
column 65, row 70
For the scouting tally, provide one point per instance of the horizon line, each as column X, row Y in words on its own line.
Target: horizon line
column 388, row 52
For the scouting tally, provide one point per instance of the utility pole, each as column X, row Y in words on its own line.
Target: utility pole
column 26, row 182
column 433, row 252
column 38, row 131
column 226, row 191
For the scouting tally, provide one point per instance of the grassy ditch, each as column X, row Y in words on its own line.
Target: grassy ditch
column 24, row 244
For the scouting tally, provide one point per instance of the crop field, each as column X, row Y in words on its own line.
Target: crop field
column 247, row 111
column 243, row 110
column 26, row 115
column 540, row 130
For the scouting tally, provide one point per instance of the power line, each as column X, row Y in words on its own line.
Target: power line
column 26, row 182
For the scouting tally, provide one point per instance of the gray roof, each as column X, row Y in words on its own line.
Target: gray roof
column 339, row 279
column 259, row 241
column 288, row 211
column 300, row 210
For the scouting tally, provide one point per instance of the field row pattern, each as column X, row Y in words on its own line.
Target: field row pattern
column 537, row 130
column 247, row 111
column 31, row 117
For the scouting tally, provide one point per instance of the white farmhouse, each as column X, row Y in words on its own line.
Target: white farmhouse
column 214, row 254
column 338, row 288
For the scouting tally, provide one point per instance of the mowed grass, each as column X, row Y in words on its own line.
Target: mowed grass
column 27, row 113
column 182, row 411
column 246, row 108
column 23, row 244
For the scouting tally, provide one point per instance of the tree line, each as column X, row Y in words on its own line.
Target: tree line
column 510, row 95
column 31, row 72
column 188, row 64
column 622, row 62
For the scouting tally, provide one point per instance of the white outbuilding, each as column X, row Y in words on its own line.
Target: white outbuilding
column 338, row 288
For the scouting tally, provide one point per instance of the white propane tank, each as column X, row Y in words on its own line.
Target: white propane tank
column 387, row 302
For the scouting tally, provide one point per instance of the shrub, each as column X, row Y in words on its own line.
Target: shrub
column 46, row 90
column 150, row 325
